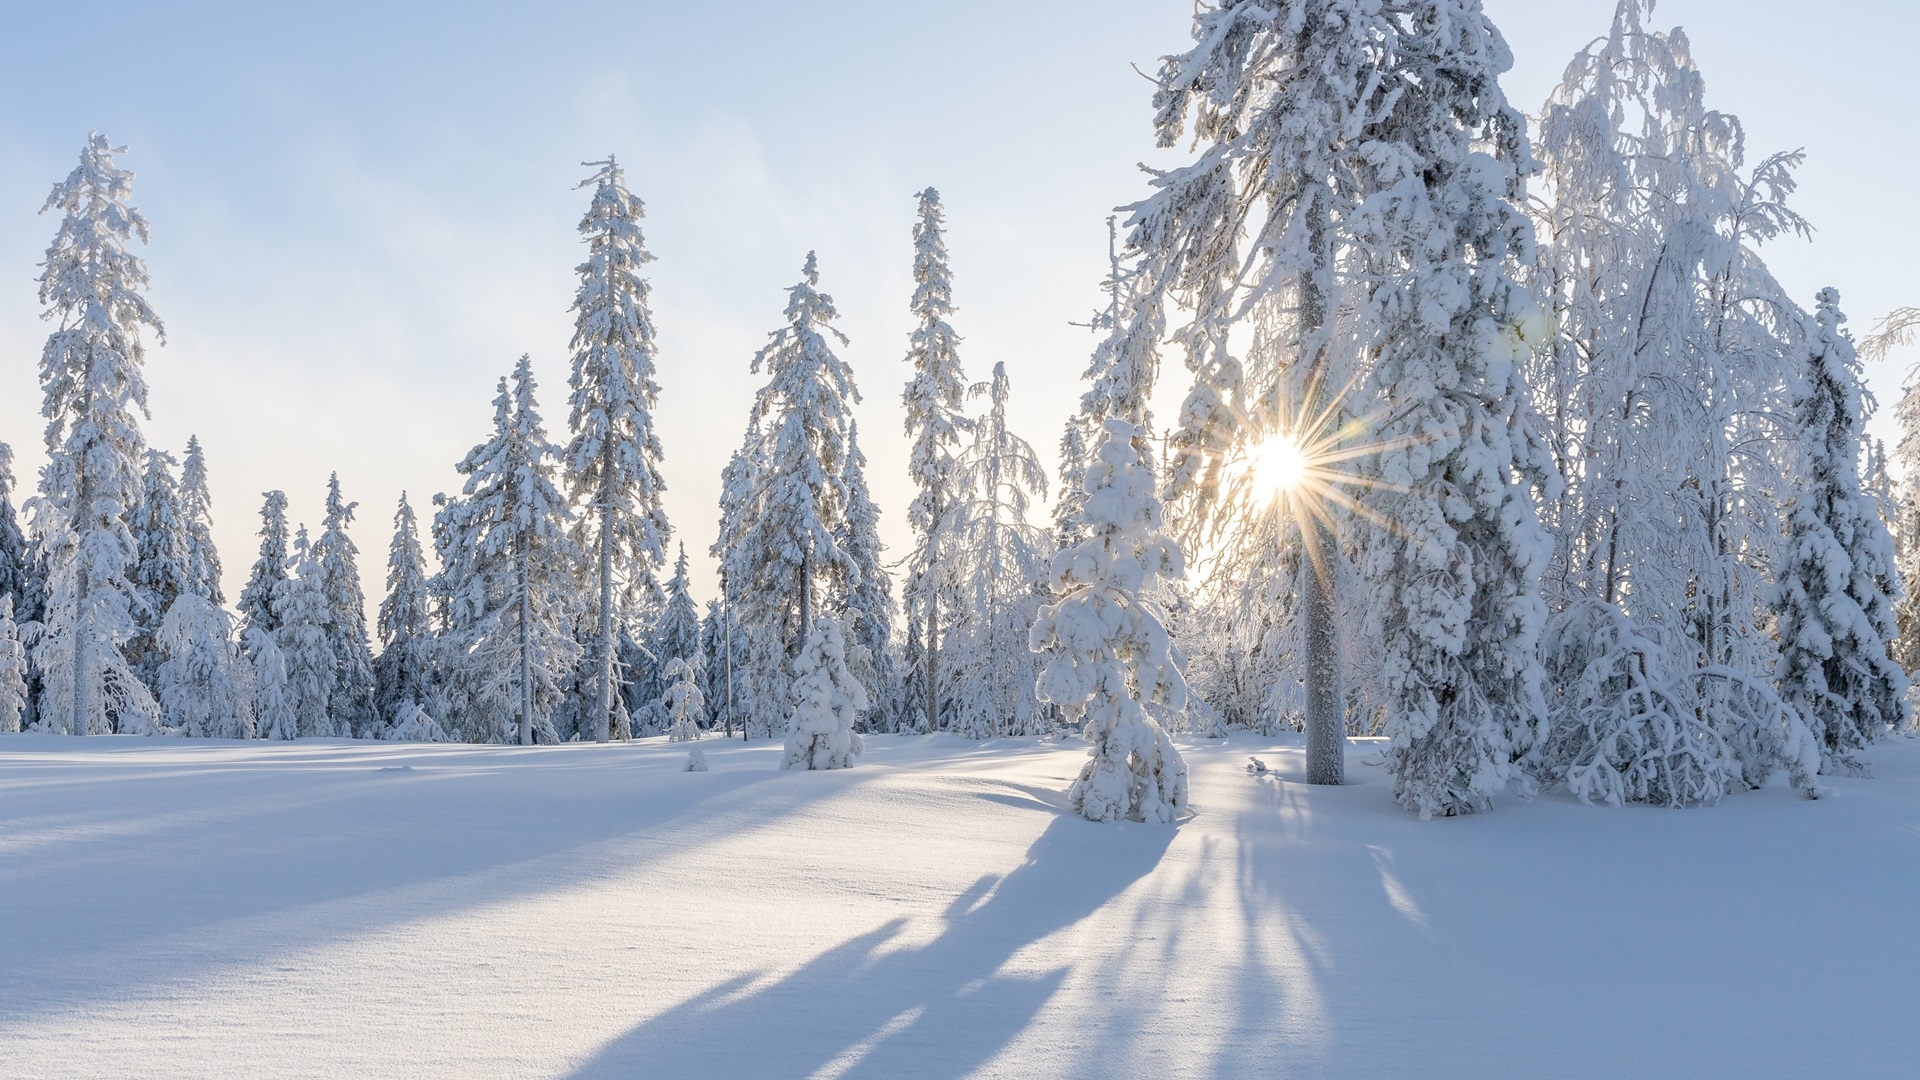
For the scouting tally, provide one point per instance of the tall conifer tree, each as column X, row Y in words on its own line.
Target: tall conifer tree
column 404, row 668
column 196, row 519
column 1837, row 588
column 613, row 462
column 95, row 392
column 935, row 420
column 260, row 599
column 337, row 556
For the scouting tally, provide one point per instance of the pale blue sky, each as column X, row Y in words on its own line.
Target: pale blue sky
column 362, row 214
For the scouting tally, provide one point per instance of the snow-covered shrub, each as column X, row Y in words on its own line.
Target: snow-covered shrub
column 684, row 703
column 202, row 679
column 827, row 700
column 412, row 723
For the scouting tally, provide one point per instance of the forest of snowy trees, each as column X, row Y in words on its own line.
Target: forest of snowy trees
column 1502, row 443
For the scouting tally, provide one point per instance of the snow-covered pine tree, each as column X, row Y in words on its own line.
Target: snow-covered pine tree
column 273, row 704
column 613, row 462
column 935, row 421
column 196, row 522
column 353, row 685
column 686, row 706
column 13, row 669
column 789, row 549
column 1106, row 649
column 204, row 684
column 160, row 574
column 868, row 599
column 260, row 599
column 676, row 634
column 95, row 393
column 756, row 647
column 511, row 640
column 403, row 672
column 827, row 701
column 1453, row 572
column 1837, row 588
column 304, row 644
column 1000, row 562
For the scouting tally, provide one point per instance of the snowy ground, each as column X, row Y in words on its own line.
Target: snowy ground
column 200, row 909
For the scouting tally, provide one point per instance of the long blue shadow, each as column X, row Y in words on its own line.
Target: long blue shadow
column 934, row 1010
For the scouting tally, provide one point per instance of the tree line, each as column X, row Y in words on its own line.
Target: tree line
column 1582, row 496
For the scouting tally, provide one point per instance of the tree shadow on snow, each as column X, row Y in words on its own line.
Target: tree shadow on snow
column 866, row 1009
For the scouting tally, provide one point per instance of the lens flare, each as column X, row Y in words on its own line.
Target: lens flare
column 1279, row 465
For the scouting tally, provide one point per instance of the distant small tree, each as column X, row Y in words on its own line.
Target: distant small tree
column 404, row 670
column 686, row 706
column 203, row 684
column 13, row 669
column 259, row 600
column 196, row 523
column 302, row 638
column 338, row 559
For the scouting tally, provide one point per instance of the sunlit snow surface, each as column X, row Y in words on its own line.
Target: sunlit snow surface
column 202, row 909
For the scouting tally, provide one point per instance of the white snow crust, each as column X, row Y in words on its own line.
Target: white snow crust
column 205, row 908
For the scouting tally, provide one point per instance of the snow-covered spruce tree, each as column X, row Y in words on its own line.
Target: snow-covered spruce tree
column 511, row 641
column 1837, row 587
column 273, row 704
column 160, row 574
column 935, row 421
column 1106, row 648
column 1453, row 571
column 1899, row 328
column 1663, row 399
column 259, row 600
column 21, row 584
column 95, row 392
column 15, row 564
column 403, row 672
column 13, row 669
column 746, row 679
column 790, row 550
column 827, row 701
column 686, row 706
column 868, row 598
column 1000, row 562
column 1282, row 96
column 196, row 523
column 353, row 684
column 613, row 461
column 305, row 647
column 204, row 684
column 1067, row 529
column 712, row 668
column 676, row 634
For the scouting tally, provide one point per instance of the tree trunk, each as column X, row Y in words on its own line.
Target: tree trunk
column 604, row 720
column 806, row 600
column 526, row 659
column 1326, row 722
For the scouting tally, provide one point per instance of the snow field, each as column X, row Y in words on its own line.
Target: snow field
column 204, row 908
